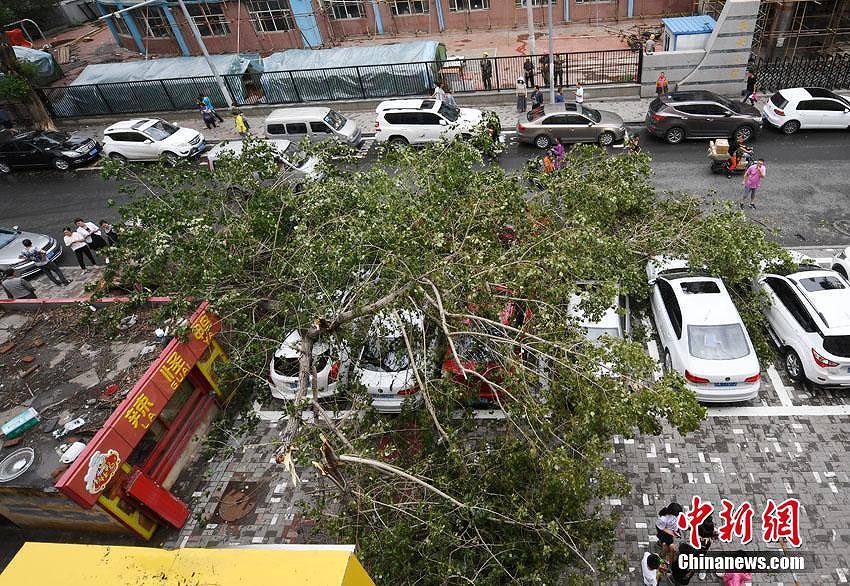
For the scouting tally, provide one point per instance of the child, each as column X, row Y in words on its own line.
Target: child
column 667, row 529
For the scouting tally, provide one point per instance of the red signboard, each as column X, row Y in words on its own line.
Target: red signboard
column 91, row 472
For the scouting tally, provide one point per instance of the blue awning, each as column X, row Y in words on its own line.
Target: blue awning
column 689, row 25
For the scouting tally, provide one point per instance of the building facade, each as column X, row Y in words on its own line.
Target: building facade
column 264, row 26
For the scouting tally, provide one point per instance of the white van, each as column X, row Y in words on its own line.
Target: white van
column 315, row 122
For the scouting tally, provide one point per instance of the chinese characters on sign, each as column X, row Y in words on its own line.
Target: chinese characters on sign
column 174, row 369
column 202, row 329
column 139, row 413
column 779, row 521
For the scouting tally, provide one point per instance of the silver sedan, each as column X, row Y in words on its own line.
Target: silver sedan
column 568, row 126
column 12, row 244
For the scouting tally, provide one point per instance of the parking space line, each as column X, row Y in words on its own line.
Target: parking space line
column 783, row 411
column 779, row 387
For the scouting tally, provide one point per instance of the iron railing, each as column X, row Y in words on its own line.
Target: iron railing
column 342, row 83
column 829, row 71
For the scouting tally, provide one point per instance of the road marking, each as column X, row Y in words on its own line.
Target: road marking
column 779, row 386
column 781, row 411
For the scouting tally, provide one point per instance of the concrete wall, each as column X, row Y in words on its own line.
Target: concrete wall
column 721, row 67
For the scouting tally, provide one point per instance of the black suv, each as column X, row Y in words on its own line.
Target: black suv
column 45, row 149
column 700, row 114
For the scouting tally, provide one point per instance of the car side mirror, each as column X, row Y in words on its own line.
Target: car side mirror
column 727, row 113
column 14, row 227
column 443, row 122
column 148, row 141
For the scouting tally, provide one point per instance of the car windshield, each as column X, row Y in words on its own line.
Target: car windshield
column 290, row 366
column 591, row 113
column 778, row 100
column 821, row 283
column 295, row 156
column 734, row 106
column 470, row 348
column 387, row 354
column 725, row 342
column 450, row 113
column 161, row 130
column 6, row 237
column 335, row 120
column 47, row 140
column 593, row 333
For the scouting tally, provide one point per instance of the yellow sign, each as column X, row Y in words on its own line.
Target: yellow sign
column 174, row 369
column 139, row 413
column 202, row 329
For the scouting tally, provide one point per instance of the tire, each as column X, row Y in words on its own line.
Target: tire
column 717, row 167
column 118, row 158
column 668, row 362
column 675, row 135
column 398, row 141
column 837, row 268
column 60, row 164
column 5, row 169
column 170, row 158
column 542, row 141
column 745, row 132
column 606, row 139
column 790, row 127
column 793, row 366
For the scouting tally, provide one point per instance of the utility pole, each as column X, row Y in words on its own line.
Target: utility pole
column 551, row 55
column 224, row 91
column 530, row 10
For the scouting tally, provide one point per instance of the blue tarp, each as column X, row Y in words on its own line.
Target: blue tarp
column 47, row 69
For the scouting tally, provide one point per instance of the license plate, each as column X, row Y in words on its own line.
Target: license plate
column 293, row 386
column 725, row 384
column 51, row 254
column 93, row 152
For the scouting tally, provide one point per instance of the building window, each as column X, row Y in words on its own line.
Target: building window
column 523, row 3
column 346, row 9
column 465, row 5
column 404, row 7
column 152, row 22
column 270, row 16
column 590, row 1
column 210, row 19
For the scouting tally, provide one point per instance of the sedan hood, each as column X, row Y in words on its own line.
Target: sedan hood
column 182, row 136
column 375, row 380
column 610, row 119
column 470, row 116
column 12, row 246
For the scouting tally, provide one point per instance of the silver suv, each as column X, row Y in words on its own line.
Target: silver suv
column 701, row 114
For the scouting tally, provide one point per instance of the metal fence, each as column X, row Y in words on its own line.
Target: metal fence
column 830, row 71
column 344, row 83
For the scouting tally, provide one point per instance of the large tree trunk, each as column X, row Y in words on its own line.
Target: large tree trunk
column 9, row 65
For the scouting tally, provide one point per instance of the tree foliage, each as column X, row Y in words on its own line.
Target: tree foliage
column 435, row 496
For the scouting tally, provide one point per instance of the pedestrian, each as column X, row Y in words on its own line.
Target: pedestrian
column 16, row 287
column 649, row 566
column 558, row 65
column 649, row 45
column 559, row 96
column 662, row 85
column 579, row 94
column 39, row 258
column 634, row 145
column 108, row 232
column 91, row 233
column 536, row 98
column 77, row 243
column 544, row 69
column 681, row 574
column 207, row 103
column 737, row 578
column 209, row 119
column 752, row 98
column 450, row 98
column 487, row 72
column 241, row 124
column 439, row 92
column 667, row 529
column 752, row 182
column 521, row 95
column 548, row 164
column 559, row 153
column 751, row 84
column 528, row 69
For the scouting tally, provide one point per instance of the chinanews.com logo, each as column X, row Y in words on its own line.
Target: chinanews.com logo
column 780, row 524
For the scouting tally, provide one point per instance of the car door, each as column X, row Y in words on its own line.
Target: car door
column 668, row 317
column 432, row 126
column 557, row 126
column 131, row 144
column 319, row 131
column 778, row 314
column 28, row 155
column 808, row 114
column 296, row 131
column 833, row 114
column 717, row 120
column 13, row 155
column 694, row 122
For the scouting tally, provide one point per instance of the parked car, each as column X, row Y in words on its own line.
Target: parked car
column 314, row 122
column 384, row 366
column 806, row 107
column 615, row 322
column 45, row 149
column 11, row 246
column 422, row 121
column 285, row 367
column 809, row 319
column 151, row 139
column 295, row 163
column 701, row 333
column 841, row 263
column 590, row 125
column 701, row 114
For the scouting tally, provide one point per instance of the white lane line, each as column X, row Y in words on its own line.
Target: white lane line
column 783, row 411
column 779, row 386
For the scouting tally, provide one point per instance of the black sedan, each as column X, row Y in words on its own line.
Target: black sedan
column 45, row 149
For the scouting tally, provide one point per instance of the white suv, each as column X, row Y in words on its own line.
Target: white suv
column 422, row 120
column 806, row 107
column 809, row 319
column 702, row 334
column 151, row 139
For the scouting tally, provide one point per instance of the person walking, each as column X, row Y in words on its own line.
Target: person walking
column 579, row 94
column 558, row 66
column 39, row 258
column 528, row 69
column 751, row 84
column 666, row 528
column 559, row 153
column 450, row 98
column 17, row 287
column 439, row 92
column 108, row 232
column 544, row 69
column 209, row 119
column 241, row 124
column 752, row 182
column 487, row 72
column 662, row 86
column 77, row 243
column 521, row 95
column 207, row 103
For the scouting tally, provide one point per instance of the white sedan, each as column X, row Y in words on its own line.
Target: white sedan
column 702, row 335
column 151, row 139
column 284, row 369
column 806, row 107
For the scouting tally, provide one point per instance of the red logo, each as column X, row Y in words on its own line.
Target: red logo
column 102, row 467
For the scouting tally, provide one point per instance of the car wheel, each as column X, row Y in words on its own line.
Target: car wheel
column 668, row 362
column 675, row 135
column 744, row 132
column 794, row 366
column 606, row 139
column 543, row 142
column 837, row 268
column 118, row 158
column 5, row 169
column 790, row 127
column 170, row 158
column 61, row 164
column 398, row 141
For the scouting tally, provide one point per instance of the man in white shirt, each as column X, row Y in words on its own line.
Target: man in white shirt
column 91, row 233
column 439, row 92
column 579, row 94
column 649, row 567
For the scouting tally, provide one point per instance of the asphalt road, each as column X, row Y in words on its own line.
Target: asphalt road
column 804, row 196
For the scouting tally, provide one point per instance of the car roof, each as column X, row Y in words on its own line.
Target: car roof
column 408, row 104
column 132, row 124
column 291, row 346
column 832, row 305
column 694, row 96
column 295, row 113
column 795, row 94
column 610, row 318
column 703, row 308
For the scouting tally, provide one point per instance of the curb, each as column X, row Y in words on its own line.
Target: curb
column 41, row 302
